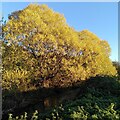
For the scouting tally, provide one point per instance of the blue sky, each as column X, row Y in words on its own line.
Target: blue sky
column 100, row 18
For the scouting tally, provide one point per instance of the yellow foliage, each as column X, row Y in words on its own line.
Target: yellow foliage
column 15, row 78
column 43, row 46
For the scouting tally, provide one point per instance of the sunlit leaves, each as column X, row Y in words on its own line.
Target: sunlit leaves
column 40, row 42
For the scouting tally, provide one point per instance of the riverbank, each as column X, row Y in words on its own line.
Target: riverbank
column 100, row 92
column 46, row 98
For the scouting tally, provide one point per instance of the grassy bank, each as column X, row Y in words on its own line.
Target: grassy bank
column 97, row 98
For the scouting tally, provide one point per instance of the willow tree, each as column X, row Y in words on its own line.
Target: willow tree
column 48, row 49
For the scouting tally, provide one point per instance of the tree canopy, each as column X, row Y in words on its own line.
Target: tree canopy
column 38, row 45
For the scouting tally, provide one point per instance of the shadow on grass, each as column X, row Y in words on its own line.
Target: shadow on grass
column 45, row 98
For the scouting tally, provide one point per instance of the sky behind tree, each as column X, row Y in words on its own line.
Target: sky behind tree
column 101, row 18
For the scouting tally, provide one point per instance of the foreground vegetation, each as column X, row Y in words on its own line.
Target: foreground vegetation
column 98, row 98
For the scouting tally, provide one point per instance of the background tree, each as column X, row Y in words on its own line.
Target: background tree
column 40, row 43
